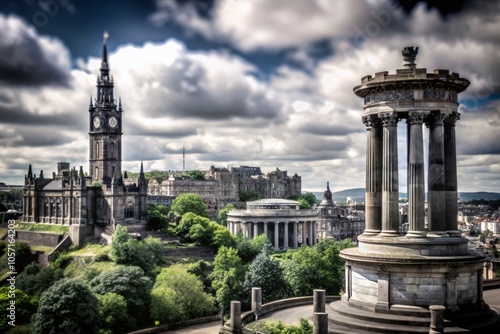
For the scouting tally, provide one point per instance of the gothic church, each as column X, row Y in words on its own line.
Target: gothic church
column 88, row 204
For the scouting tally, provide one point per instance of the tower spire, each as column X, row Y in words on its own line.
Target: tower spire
column 104, row 60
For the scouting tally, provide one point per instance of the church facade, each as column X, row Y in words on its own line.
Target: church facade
column 100, row 199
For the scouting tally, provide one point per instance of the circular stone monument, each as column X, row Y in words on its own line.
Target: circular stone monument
column 392, row 279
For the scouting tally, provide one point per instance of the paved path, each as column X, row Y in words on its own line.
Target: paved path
column 292, row 315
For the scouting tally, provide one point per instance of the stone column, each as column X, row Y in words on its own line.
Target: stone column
column 276, row 236
column 265, row 229
column 315, row 232
column 235, row 322
column 437, row 319
column 295, row 235
column 310, row 243
column 319, row 300
column 450, row 175
column 285, row 236
column 304, row 233
column 373, row 196
column 416, row 182
column 256, row 300
column 255, row 229
column 384, row 293
column 320, row 323
column 390, row 179
column 451, row 291
column 435, row 188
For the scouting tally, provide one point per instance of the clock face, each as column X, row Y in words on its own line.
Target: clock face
column 113, row 122
column 97, row 122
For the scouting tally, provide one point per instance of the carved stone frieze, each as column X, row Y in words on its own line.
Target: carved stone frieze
column 389, row 96
column 415, row 118
column 389, row 119
column 372, row 121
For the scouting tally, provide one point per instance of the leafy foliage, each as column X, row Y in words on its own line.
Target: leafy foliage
column 129, row 282
column 35, row 280
column 246, row 196
column 188, row 203
column 266, row 273
column 68, row 305
column 248, row 249
column 179, row 295
column 195, row 175
column 129, row 251
column 157, row 217
column 318, row 267
column 113, row 313
column 228, row 276
column 278, row 327
column 190, row 219
column 222, row 215
column 24, row 308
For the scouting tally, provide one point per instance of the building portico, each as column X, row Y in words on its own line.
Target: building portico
column 284, row 224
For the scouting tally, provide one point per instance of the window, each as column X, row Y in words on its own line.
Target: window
column 112, row 150
column 96, row 176
column 97, row 150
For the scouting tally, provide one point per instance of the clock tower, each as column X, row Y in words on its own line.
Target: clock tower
column 105, row 133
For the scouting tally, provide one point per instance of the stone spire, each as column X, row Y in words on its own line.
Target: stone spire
column 409, row 54
column 327, row 196
column 104, row 81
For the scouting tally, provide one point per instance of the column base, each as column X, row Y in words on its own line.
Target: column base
column 454, row 233
column 370, row 233
column 389, row 233
column 437, row 234
column 416, row 234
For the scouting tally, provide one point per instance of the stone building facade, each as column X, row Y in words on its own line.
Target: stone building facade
column 103, row 198
column 281, row 220
column 225, row 185
column 338, row 222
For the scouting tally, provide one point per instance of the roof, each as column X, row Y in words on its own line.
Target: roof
column 54, row 185
column 273, row 201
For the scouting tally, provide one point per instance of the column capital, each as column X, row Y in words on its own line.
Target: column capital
column 435, row 118
column 452, row 119
column 372, row 121
column 415, row 117
column 389, row 118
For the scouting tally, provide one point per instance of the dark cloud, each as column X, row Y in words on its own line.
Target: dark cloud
column 25, row 60
column 19, row 115
column 39, row 137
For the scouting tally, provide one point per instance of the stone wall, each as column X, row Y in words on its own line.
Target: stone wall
column 39, row 238
column 364, row 285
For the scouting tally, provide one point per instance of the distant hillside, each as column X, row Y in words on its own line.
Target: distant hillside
column 359, row 194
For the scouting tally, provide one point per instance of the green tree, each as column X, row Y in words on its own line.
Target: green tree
column 113, row 313
column 246, row 196
column 157, row 217
column 228, row 276
column 35, row 280
column 222, row 215
column 190, row 219
column 266, row 273
column 248, row 249
column 195, row 175
column 310, row 198
column 188, row 203
column 131, row 283
column 304, row 204
column 24, row 308
column 129, row 251
column 178, row 295
column 67, row 306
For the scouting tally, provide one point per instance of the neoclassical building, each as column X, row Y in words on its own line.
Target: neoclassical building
column 281, row 220
column 102, row 198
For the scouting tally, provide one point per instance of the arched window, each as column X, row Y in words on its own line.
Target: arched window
column 112, row 150
column 97, row 150
column 96, row 176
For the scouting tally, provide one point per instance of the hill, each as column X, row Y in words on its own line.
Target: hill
column 359, row 194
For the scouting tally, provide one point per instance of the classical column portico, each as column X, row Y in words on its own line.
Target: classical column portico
column 310, row 243
column 390, row 179
column 373, row 196
column 276, row 235
column 436, row 179
column 304, row 238
column 416, row 183
column 285, row 236
column 255, row 229
column 450, row 174
column 295, row 235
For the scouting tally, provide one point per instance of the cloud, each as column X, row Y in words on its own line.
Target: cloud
column 29, row 59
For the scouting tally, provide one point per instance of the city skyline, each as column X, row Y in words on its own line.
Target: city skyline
column 227, row 82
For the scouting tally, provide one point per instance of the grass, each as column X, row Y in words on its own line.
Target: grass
column 87, row 269
column 90, row 250
column 44, row 249
column 42, row 228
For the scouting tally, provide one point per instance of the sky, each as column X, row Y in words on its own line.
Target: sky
column 238, row 82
